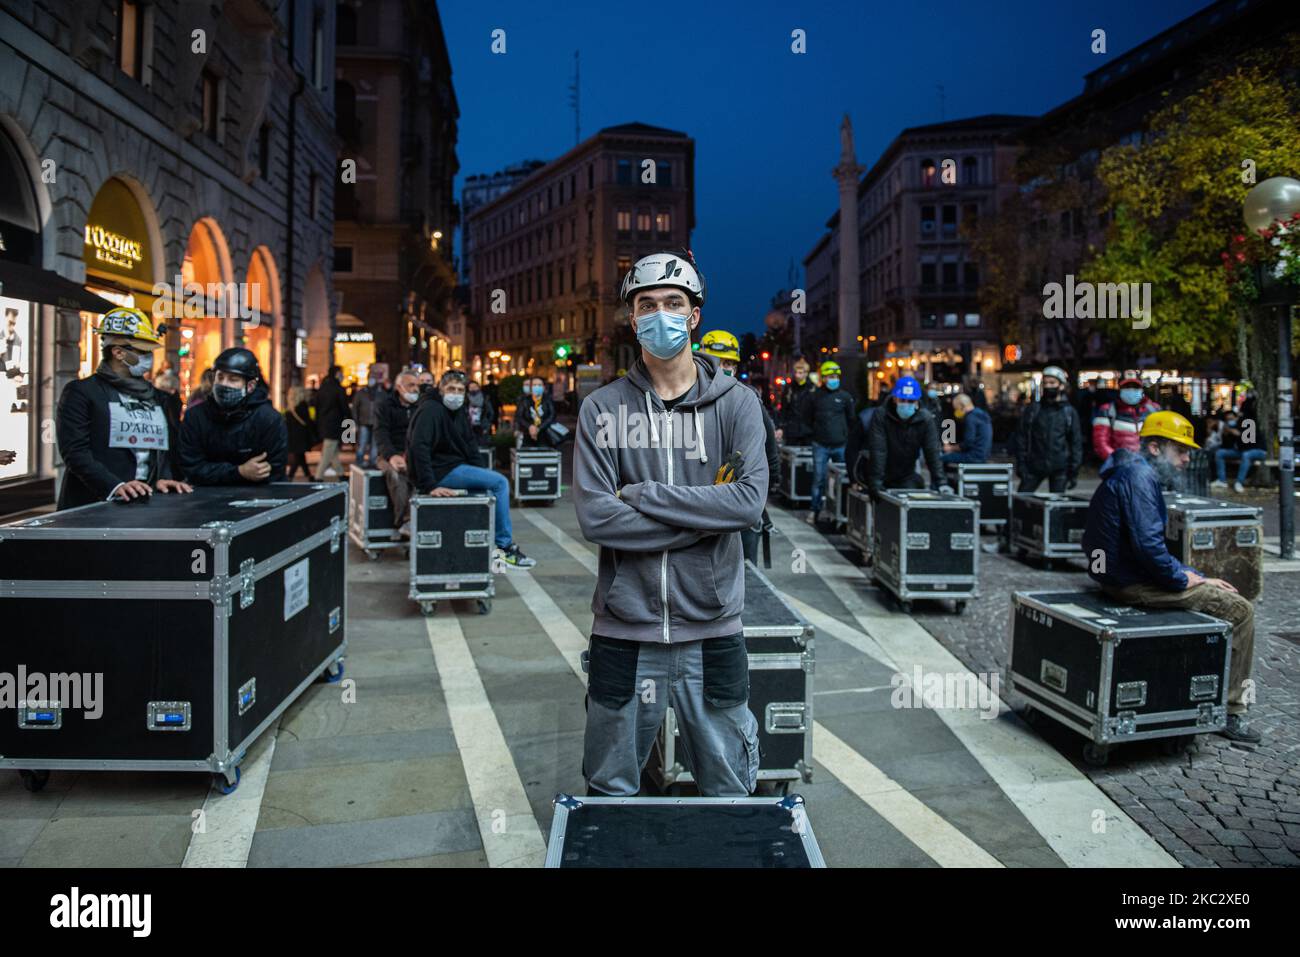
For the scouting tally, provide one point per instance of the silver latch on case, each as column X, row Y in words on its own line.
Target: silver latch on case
column 247, row 695
column 1204, row 688
column 476, row 538
column 377, row 502
column 1053, row 675
column 168, row 716
column 40, row 715
column 918, row 540
column 336, row 533
column 1247, row 537
column 961, row 541
column 1131, row 694
column 428, row 539
column 785, row 717
column 247, row 583
column 1202, row 538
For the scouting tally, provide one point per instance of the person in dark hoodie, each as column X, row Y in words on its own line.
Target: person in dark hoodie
column 792, row 428
column 441, row 456
column 669, row 469
column 1126, row 530
column 1049, row 439
column 901, row 433
column 331, row 413
column 828, row 417
column 236, row 437
column 113, row 430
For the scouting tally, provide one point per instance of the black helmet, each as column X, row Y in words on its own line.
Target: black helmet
column 239, row 361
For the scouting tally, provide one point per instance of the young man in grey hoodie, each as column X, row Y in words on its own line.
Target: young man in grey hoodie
column 669, row 469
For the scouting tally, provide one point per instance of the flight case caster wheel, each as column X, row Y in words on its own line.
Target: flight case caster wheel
column 1032, row 716
column 905, row 606
column 371, row 554
column 333, row 672
column 484, row 606
column 1098, row 755
column 960, row 607
column 224, row 784
column 1175, row 744
column 427, row 608
column 34, row 780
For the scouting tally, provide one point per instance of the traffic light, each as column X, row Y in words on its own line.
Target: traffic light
column 562, row 351
column 766, row 356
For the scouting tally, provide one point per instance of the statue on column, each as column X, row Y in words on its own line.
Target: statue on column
column 848, row 157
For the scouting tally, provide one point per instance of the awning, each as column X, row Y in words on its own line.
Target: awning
column 21, row 281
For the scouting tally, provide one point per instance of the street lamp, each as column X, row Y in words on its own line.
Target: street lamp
column 1276, row 199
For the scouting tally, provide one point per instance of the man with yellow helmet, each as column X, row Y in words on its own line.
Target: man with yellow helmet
column 725, row 347
column 829, row 418
column 114, row 434
column 1124, row 541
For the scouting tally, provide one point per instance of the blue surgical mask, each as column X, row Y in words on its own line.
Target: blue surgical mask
column 453, row 400
column 663, row 334
column 539, row 390
column 1130, row 396
column 729, row 372
column 932, row 393
column 833, row 383
column 905, row 409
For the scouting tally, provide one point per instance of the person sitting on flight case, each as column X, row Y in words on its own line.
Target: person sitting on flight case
column 725, row 347
column 236, row 437
column 113, row 430
column 977, row 436
column 535, row 413
column 1126, row 529
column 392, row 419
column 441, row 456
column 901, row 433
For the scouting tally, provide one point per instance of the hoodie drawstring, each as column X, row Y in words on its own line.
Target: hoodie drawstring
column 699, row 427
column 699, row 438
column 650, row 414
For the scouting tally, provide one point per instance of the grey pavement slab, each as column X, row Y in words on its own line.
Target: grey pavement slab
column 292, row 755
column 363, row 842
column 117, row 841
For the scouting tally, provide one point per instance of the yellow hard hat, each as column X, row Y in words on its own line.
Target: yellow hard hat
column 1169, row 425
column 828, row 368
column 721, row 345
column 132, row 324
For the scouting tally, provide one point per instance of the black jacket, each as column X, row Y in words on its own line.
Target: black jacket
column 828, row 417
column 331, row 408
column 524, row 417
column 857, row 452
column 794, row 429
column 487, row 416
column 215, row 443
column 894, row 445
column 301, row 430
column 392, row 419
column 82, row 427
column 437, row 441
column 1049, row 440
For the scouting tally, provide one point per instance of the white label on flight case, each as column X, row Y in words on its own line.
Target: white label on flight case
column 1075, row 610
column 134, row 426
column 295, row 588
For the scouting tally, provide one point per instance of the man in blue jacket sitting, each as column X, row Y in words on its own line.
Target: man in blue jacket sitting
column 1126, row 529
column 976, row 438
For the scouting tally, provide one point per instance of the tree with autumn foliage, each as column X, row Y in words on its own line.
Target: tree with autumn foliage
column 1176, row 202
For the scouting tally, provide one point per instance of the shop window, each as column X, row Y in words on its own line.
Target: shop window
column 16, row 420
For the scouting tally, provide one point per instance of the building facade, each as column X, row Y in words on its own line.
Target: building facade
column 396, row 213
column 479, row 189
column 918, row 275
column 550, row 255
column 176, row 157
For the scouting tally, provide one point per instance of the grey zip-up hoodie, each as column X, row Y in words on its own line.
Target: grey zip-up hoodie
column 671, row 564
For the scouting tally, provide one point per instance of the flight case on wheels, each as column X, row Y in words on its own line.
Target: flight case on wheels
column 371, row 523
column 835, row 501
column 857, row 525
column 486, row 457
column 1116, row 673
column 536, row 474
column 926, row 545
column 1218, row 539
column 1048, row 525
column 989, row 483
column 199, row 617
column 780, row 646
column 796, row 473
column 682, row 832
column 453, row 539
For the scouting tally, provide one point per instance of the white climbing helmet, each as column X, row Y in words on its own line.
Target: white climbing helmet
column 664, row 269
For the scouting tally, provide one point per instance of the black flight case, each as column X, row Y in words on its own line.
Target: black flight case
column 926, row 545
column 453, row 541
column 796, row 473
column 835, row 500
column 1219, row 539
column 1117, row 673
column 536, row 473
column 371, row 523
column 204, row 616
column 989, row 483
column 1048, row 525
column 857, row 525
column 765, row 832
column 780, row 646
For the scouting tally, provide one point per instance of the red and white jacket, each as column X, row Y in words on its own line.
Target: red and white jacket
column 1115, row 425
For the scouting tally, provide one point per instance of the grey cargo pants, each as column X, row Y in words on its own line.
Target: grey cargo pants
column 630, row 685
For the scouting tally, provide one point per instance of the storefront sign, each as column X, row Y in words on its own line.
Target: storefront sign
column 116, row 237
column 112, row 248
column 354, row 337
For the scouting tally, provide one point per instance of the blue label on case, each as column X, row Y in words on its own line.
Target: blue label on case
column 334, row 620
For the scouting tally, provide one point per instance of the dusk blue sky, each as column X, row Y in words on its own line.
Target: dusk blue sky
column 765, row 120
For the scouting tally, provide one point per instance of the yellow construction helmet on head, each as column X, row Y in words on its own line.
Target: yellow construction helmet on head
column 829, row 368
column 134, row 325
column 721, row 345
column 1169, row 425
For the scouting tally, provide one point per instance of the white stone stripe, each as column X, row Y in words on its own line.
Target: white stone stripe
column 230, row 820
column 510, row 833
column 1057, row 800
column 940, row 840
column 933, row 835
column 579, row 552
column 566, row 637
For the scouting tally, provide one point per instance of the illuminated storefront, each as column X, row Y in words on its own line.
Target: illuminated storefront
column 354, row 351
column 204, row 337
column 261, row 333
column 20, row 243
